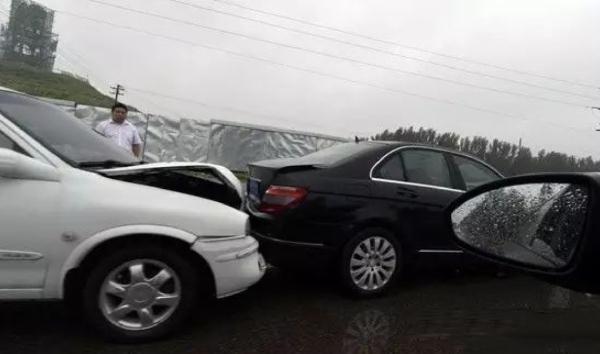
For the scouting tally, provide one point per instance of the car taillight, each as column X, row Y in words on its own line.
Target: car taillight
column 280, row 198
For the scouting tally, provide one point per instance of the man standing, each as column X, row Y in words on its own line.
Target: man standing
column 120, row 131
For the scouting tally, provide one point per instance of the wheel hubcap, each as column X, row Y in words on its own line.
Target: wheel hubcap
column 140, row 294
column 373, row 263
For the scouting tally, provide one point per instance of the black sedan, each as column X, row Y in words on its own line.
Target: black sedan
column 364, row 209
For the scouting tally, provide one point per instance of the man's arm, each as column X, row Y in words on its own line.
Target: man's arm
column 136, row 149
column 100, row 128
column 136, row 144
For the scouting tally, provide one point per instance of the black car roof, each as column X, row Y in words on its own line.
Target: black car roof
column 397, row 144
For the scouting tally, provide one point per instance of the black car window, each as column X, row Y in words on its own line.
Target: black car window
column 426, row 167
column 392, row 169
column 474, row 174
column 7, row 143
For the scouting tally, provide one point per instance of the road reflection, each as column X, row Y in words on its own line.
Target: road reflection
column 443, row 314
column 367, row 333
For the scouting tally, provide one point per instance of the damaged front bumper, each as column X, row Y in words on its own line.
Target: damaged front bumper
column 235, row 262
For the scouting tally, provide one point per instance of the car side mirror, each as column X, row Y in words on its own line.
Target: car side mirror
column 18, row 166
column 547, row 225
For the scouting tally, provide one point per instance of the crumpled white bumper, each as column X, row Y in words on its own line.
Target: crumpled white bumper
column 235, row 262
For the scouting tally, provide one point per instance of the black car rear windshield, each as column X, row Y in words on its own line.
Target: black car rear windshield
column 336, row 154
column 60, row 132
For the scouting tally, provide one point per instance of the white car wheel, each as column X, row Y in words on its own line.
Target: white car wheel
column 143, row 293
column 140, row 294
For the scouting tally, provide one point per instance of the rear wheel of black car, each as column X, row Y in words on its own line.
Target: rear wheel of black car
column 371, row 262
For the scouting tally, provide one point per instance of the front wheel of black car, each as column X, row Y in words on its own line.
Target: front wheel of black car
column 371, row 262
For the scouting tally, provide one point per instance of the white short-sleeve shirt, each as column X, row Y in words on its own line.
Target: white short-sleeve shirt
column 124, row 134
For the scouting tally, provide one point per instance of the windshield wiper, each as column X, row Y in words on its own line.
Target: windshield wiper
column 105, row 164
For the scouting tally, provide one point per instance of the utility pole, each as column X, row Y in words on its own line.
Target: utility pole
column 117, row 91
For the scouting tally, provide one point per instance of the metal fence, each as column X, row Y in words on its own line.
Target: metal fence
column 226, row 143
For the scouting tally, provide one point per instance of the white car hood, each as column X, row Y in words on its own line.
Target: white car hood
column 113, row 203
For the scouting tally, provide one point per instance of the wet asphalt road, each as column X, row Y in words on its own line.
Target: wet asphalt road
column 432, row 312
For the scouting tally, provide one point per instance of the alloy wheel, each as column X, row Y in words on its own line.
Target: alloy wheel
column 140, row 294
column 373, row 263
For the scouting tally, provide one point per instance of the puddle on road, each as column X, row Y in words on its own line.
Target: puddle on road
column 284, row 315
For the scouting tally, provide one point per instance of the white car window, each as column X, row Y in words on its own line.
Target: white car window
column 60, row 132
column 7, row 143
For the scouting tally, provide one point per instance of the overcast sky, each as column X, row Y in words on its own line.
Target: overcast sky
column 548, row 37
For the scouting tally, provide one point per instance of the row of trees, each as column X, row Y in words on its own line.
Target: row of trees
column 508, row 158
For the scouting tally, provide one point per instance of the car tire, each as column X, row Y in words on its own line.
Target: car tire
column 140, row 294
column 370, row 262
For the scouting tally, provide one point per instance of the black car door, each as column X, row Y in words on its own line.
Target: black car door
column 418, row 183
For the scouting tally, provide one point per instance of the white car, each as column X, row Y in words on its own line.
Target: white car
column 135, row 257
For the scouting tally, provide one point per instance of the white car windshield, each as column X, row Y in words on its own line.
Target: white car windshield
column 61, row 133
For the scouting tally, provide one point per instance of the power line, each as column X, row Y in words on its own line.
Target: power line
column 4, row 11
column 418, row 49
column 74, row 62
column 337, row 57
column 66, row 59
column 278, row 119
column 67, row 50
column 82, row 62
column 62, row 52
column 69, row 53
column 383, row 51
column 314, row 72
column 273, row 62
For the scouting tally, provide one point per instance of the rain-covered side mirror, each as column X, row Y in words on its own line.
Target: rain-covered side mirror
column 544, row 224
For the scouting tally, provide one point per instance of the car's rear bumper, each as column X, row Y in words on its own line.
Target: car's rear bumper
column 291, row 254
column 235, row 262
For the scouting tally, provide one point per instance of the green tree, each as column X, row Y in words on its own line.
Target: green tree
column 508, row 158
